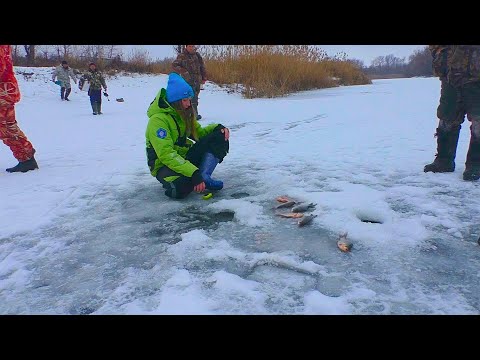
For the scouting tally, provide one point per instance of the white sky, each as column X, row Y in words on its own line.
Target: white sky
column 91, row 231
column 363, row 52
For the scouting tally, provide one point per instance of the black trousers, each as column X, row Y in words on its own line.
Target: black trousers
column 64, row 94
column 179, row 188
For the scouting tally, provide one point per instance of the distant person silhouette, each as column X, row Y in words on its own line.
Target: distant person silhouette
column 63, row 73
column 96, row 81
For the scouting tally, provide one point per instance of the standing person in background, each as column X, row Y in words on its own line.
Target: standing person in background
column 189, row 64
column 96, row 80
column 63, row 73
column 10, row 133
column 458, row 67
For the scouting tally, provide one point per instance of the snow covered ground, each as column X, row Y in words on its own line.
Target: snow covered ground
column 91, row 231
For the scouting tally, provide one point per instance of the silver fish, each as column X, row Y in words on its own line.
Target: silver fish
column 302, row 207
column 306, row 219
column 344, row 244
column 286, row 205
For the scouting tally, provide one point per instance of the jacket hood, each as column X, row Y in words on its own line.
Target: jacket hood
column 160, row 104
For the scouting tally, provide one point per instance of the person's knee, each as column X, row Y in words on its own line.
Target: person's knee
column 174, row 194
column 475, row 127
column 448, row 126
column 177, row 190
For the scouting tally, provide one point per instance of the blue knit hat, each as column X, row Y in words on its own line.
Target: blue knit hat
column 178, row 88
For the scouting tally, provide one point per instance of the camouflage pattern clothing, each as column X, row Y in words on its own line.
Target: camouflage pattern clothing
column 96, row 79
column 458, row 64
column 192, row 69
column 458, row 67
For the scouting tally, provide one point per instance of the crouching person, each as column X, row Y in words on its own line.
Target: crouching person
column 181, row 154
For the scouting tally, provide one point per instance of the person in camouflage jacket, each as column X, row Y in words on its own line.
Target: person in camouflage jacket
column 458, row 67
column 10, row 133
column 63, row 73
column 96, row 80
column 190, row 65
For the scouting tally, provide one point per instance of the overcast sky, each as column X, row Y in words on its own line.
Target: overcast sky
column 363, row 52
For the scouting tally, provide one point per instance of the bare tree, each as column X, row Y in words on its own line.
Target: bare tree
column 113, row 51
column 44, row 51
column 30, row 54
column 420, row 63
column 178, row 48
column 87, row 52
column 357, row 62
column 67, row 50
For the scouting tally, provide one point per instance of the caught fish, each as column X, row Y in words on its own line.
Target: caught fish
column 344, row 244
column 302, row 207
column 306, row 219
column 286, row 205
column 291, row 215
column 283, row 199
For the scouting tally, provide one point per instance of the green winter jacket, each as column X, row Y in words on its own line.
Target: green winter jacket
column 163, row 140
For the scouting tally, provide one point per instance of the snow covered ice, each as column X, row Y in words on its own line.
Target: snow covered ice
column 91, row 231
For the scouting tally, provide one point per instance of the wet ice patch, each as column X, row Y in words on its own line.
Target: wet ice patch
column 319, row 304
column 182, row 294
column 237, row 294
column 234, row 284
column 245, row 212
column 224, row 251
column 441, row 303
column 192, row 245
column 158, row 291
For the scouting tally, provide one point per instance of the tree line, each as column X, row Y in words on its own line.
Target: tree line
column 418, row 64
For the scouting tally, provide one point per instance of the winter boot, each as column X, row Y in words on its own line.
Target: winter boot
column 446, row 151
column 94, row 107
column 24, row 166
column 99, row 108
column 67, row 92
column 472, row 165
column 209, row 162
